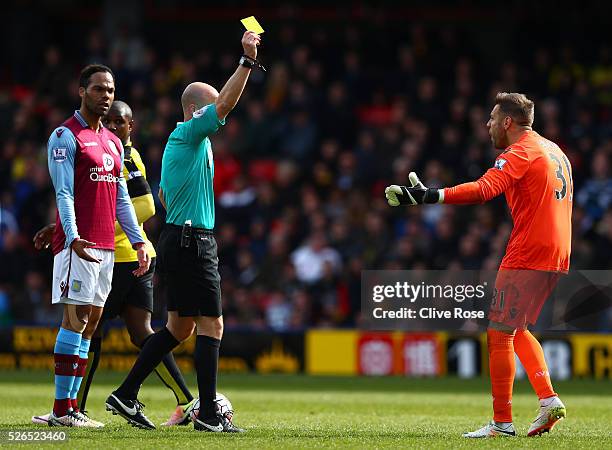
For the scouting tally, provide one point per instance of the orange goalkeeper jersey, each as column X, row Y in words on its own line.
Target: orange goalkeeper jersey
column 536, row 177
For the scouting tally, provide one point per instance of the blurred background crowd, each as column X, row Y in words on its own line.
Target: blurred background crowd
column 352, row 101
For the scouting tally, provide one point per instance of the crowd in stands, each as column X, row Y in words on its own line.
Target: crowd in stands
column 302, row 162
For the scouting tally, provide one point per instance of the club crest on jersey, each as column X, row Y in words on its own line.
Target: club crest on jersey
column 113, row 147
column 499, row 163
column 59, row 155
column 108, row 162
column 76, row 285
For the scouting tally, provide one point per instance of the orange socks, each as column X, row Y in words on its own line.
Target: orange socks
column 502, row 368
column 531, row 355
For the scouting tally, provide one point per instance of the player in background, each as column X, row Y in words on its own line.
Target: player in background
column 86, row 166
column 130, row 297
column 536, row 178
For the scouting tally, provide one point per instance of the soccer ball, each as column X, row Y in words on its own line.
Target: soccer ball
column 224, row 407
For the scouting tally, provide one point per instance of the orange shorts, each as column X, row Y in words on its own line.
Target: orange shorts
column 519, row 296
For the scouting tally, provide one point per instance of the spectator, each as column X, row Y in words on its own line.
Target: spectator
column 596, row 194
column 310, row 259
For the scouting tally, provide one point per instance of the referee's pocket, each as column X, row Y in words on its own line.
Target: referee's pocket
column 204, row 246
column 168, row 255
column 211, row 247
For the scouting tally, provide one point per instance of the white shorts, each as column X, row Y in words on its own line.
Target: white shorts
column 80, row 282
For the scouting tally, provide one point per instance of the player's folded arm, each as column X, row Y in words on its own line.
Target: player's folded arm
column 138, row 188
column 126, row 216
column 144, row 206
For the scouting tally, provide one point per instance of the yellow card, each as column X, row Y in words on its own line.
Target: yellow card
column 251, row 24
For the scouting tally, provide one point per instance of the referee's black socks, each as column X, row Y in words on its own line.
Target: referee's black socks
column 151, row 354
column 206, row 363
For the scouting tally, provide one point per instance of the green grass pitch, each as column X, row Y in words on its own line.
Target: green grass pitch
column 325, row 412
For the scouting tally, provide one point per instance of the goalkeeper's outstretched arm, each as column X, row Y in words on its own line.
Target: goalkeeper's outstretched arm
column 509, row 167
column 490, row 185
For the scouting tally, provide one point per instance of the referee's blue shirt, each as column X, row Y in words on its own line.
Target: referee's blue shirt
column 188, row 170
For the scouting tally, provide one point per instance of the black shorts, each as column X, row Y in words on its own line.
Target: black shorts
column 127, row 289
column 190, row 274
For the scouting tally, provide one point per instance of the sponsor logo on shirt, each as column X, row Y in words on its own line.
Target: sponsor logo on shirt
column 59, row 155
column 113, row 147
column 90, row 144
column 108, row 161
column 499, row 163
column 95, row 174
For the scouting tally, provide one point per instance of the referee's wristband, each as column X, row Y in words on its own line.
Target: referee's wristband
column 251, row 63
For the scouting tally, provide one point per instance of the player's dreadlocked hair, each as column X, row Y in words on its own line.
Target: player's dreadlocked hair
column 89, row 70
column 517, row 106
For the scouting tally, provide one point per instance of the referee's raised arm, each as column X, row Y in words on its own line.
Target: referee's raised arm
column 231, row 92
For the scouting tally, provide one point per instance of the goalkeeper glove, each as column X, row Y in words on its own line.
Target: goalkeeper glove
column 415, row 194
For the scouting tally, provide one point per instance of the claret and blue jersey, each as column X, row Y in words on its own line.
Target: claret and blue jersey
column 86, row 170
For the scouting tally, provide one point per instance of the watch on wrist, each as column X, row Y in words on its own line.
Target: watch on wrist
column 251, row 63
column 247, row 62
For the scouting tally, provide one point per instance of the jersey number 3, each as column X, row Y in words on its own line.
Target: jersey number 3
column 561, row 194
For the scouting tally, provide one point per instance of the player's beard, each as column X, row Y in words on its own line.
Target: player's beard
column 499, row 140
column 94, row 107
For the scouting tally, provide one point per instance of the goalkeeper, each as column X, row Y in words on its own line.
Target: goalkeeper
column 536, row 178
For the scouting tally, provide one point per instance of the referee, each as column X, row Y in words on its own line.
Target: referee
column 187, row 250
